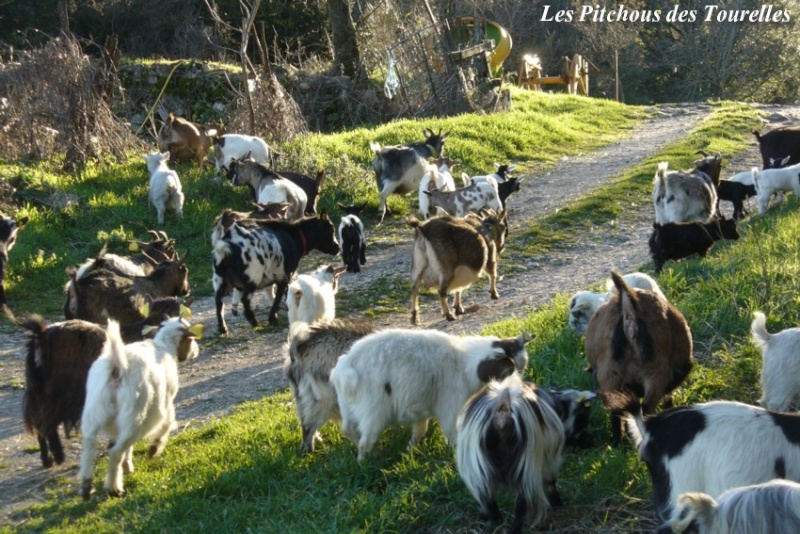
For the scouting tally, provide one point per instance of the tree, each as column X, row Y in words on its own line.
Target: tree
column 345, row 46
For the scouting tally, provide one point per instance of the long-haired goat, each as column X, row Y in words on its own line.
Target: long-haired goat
column 130, row 392
column 638, row 342
column 450, row 254
column 712, row 447
column 761, row 508
column 408, row 376
column 682, row 197
column 509, row 434
column 780, row 372
column 311, row 353
column 8, row 236
column 57, row 362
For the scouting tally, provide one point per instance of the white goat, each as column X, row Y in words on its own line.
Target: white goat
column 583, row 304
column 230, row 147
column 771, row 181
column 285, row 191
column 165, row 186
column 770, row 507
column 129, row 396
column 438, row 176
column 408, row 376
column 780, row 372
column 683, row 196
column 312, row 296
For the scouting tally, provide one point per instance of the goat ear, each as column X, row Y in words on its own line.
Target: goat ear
column 527, row 337
column 22, row 222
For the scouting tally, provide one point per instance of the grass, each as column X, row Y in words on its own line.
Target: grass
column 241, row 473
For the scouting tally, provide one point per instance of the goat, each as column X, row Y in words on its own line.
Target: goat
column 674, row 241
column 771, row 181
column 712, row 447
column 165, row 186
column 450, row 254
column 102, row 294
column 583, row 304
column 682, row 197
column 711, row 166
column 470, row 199
column 509, row 434
column 735, row 193
column 269, row 186
column 408, row 376
column 773, row 506
column 57, row 363
column 780, row 372
column 312, row 298
column 231, row 147
column 8, row 237
column 438, row 176
column 151, row 254
column 506, row 184
column 639, row 342
column 130, row 394
column 777, row 145
column 256, row 254
column 184, row 140
column 399, row 169
column 311, row 353
column 353, row 238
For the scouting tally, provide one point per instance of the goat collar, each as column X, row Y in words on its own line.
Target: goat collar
column 303, row 246
column 434, row 152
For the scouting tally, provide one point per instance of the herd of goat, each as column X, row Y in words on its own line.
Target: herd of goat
column 716, row 467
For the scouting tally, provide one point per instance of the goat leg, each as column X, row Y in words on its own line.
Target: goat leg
column 489, row 510
column 616, row 428
column 280, row 293
column 415, row 300
column 445, row 307
column 248, row 309
column 55, row 446
column 552, row 494
column 44, row 451
column 520, row 511
column 223, row 328
column 457, row 303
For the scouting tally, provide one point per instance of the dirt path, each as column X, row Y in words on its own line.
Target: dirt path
column 247, row 365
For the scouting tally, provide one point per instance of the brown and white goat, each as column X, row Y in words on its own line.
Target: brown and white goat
column 451, row 253
column 638, row 342
column 184, row 140
column 57, row 362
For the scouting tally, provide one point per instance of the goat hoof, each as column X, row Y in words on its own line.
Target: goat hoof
column 86, row 489
column 47, row 462
column 450, row 317
column 495, row 296
column 116, row 494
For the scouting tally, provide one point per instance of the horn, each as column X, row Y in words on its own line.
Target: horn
column 163, row 235
column 183, row 259
column 154, row 234
column 148, row 258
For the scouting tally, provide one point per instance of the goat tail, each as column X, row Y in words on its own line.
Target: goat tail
column 759, row 330
column 661, row 173
column 754, row 174
column 688, row 508
column 619, row 283
column 345, row 380
column 115, row 348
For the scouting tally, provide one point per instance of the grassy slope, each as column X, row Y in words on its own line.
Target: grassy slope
column 241, row 473
column 112, row 201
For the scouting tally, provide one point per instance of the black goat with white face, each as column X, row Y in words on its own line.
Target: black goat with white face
column 8, row 236
column 353, row 238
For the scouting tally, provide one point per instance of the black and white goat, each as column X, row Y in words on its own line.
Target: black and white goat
column 402, row 376
column 637, row 342
column 780, row 371
column 353, row 238
column 130, row 392
column 8, row 236
column 712, row 447
column 778, row 145
column 508, row 434
column 761, row 508
column 399, row 169
column 252, row 255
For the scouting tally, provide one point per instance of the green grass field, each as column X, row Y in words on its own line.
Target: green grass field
column 242, row 474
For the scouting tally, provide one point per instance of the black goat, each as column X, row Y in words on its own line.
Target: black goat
column 674, row 241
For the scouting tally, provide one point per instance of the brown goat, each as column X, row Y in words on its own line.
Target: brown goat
column 637, row 342
column 450, row 254
column 57, row 363
column 103, row 294
column 185, row 140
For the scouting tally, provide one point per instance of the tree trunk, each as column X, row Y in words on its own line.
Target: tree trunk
column 345, row 47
